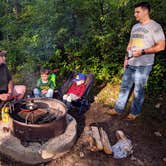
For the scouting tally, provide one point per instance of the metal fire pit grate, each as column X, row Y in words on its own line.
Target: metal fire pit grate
column 45, row 121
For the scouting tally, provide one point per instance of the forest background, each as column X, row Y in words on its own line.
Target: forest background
column 89, row 36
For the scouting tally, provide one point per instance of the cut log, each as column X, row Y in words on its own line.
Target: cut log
column 89, row 138
column 92, row 144
column 105, row 141
column 87, row 133
column 97, row 138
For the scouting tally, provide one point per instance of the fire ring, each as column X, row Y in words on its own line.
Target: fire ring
column 45, row 120
column 37, row 153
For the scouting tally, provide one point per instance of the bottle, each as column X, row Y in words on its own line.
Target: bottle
column 5, row 114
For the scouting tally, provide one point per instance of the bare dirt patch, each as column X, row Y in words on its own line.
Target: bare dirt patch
column 149, row 149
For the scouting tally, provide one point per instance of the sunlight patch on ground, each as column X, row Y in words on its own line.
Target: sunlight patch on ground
column 108, row 94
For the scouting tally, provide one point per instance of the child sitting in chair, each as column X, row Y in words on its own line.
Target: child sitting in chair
column 45, row 86
column 75, row 91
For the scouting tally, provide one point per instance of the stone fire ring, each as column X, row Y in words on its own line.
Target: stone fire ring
column 37, row 153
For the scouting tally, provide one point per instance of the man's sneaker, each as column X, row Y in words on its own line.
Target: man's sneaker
column 112, row 112
column 131, row 117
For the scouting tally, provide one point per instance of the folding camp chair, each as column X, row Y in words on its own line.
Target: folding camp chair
column 84, row 100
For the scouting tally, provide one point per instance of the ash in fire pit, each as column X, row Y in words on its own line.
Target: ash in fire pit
column 39, row 119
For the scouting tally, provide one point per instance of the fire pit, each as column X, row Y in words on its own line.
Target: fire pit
column 46, row 127
column 38, row 119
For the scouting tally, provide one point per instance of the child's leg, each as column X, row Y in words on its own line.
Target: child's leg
column 67, row 100
column 70, row 98
column 50, row 93
column 73, row 97
column 65, row 97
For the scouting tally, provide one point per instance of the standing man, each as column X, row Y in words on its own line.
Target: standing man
column 7, row 89
column 146, row 39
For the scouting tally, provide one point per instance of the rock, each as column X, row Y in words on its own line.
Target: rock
column 120, row 135
column 158, row 105
column 157, row 133
column 123, row 148
column 82, row 154
column 133, row 158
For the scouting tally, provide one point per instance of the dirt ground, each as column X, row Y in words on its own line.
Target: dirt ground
column 149, row 148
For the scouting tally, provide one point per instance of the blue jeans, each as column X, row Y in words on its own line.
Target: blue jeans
column 37, row 93
column 136, row 76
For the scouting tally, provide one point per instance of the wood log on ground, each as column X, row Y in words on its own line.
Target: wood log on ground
column 97, row 138
column 86, row 134
column 93, row 146
column 105, row 141
column 90, row 139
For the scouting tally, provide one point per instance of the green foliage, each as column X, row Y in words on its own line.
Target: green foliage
column 157, row 81
column 87, row 36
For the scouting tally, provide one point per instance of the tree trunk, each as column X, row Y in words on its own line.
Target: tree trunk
column 17, row 8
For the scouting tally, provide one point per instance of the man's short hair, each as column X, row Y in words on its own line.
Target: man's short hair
column 44, row 71
column 144, row 5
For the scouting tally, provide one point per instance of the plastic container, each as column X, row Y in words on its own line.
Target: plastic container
column 5, row 114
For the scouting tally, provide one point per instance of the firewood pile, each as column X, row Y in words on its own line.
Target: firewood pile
column 98, row 139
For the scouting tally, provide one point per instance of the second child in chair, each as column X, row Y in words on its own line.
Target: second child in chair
column 75, row 91
column 44, row 87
